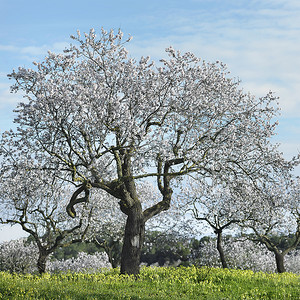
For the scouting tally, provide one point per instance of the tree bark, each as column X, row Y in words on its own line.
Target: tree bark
column 280, row 262
column 41, row 263
column 133, row 241
column 220, row 249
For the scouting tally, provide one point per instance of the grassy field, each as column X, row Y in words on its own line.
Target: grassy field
column 153, row 283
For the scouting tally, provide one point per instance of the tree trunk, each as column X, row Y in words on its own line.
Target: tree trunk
column 113, row 257
column 41, row 263
column 280, row 262
column 108, row 251
column 220, row 249
column 133, row 241
column 111, row 248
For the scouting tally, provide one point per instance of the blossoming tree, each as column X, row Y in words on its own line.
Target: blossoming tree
column 276, row 213
column 109, row 121
column 36, row 200
column 219, row 207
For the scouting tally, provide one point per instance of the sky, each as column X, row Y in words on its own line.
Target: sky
column 258, row 40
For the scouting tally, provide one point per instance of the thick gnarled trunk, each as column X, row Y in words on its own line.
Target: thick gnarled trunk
column 133, row 241
column 125, row 190
column 280, row 262
column 41, row 263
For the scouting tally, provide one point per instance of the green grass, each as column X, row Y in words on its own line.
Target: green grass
column 153, row 283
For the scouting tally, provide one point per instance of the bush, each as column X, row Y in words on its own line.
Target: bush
column 84, row 263
column 18, row 256
column 292, row 262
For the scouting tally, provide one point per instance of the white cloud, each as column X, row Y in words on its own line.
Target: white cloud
column 8, row 48
column 32, row 50
column 31, row 53
column 7, row 232
column 42, row 50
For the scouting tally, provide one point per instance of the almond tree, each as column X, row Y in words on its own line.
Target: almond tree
column 109, row 121
column 276, row 213
column 216, row 206
column 36, row 201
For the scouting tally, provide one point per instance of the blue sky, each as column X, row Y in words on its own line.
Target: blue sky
column 258, row 40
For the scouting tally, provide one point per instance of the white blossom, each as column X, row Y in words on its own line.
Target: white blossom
column 84, row 263
column 18, row 256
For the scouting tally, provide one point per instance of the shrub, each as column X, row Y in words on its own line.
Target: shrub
column 84, row 263
column 18, row 256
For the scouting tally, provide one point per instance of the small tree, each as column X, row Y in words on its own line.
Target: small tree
column 35, row 200
column 215, row 205
column 275, row 219
column 241, row 254
column 109, row 121
column 109, row 238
